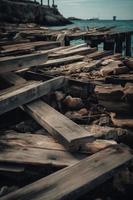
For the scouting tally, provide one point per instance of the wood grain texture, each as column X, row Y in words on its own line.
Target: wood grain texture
column 29, row 92
column 75, row 181
column 8, row 64
column 58, row 125
column 62, row 61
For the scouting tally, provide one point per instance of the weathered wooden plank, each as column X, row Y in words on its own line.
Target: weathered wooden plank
column 42, row 140
column 100, row 54
column 77, row 180
column 79, row 51
column 62, row 61
column 8, row 64
column 121, row 79
column 13, row 78
column 29, row 92
column 38, row 156
column 126, row 122
column 38, row 45
column 58, row 125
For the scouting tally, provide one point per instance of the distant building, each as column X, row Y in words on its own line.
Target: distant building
column 114, row 18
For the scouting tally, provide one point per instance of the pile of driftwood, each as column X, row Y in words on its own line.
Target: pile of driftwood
column 66, row 123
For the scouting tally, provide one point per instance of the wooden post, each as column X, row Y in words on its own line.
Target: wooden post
column 119, row 44
column 48, row 3
column 94, row 43
column 109, row 44
column 67, row 41
column 41, row 2
column 128, row 44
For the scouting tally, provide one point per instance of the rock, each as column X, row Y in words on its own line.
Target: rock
column 129, row 63
column 121, row 70
column 108, row 133
column 118, row 107
column 128, row 92
column 106, row 62
column 59, row 95
column 112, row 68
column 109, row 92
column 83, row 112
column 97, row 146
column 121, row 122
column 28, row 12
column 26, row 126
column 73, row 103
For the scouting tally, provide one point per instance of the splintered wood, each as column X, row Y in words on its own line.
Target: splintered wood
column 63, row 108
column 75, row 181
column 58, row 125
column 21, row 62
column 28, row 92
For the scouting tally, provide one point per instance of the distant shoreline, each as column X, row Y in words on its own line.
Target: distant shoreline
column 91, row 19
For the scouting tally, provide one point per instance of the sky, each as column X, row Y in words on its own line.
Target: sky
column 104, row 9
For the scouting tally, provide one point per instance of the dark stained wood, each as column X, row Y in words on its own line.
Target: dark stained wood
column 75, row 181
column 59, row 126
column 28, row 92
column 128, row 44
column 8, row 64
column 121, row 79
column 13, row 78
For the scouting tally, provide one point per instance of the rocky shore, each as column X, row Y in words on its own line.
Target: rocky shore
column 30, row 12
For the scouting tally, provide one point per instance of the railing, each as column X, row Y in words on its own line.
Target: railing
column 48, row 2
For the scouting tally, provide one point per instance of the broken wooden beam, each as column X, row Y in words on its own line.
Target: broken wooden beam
column 100, row 54
column 62, row 61
column 8, row 64
column 75, row 181
column 79, row 51
column 58, row 125
column 28, row 92
column 12, row 78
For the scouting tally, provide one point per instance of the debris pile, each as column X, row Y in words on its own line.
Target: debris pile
column 66, row 122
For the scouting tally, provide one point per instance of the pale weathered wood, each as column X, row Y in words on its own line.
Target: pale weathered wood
column 99, row 54
column 8, row 64
column 62, row 61
column 38, row 45
column 77, row 180
column 79, row 51
column 58, row 125
column 46, row 142
column 29, row 92
column 36, row 156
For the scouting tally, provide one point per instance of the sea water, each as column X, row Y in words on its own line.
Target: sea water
column 120, row 25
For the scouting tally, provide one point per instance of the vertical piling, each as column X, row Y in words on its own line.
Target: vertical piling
column 128, row 44
column 109, row 44
column 94, row 43
column 67, row 41
column 48, row 4
column 119, row 44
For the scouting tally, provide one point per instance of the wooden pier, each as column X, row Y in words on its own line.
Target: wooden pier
column 64, row 110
